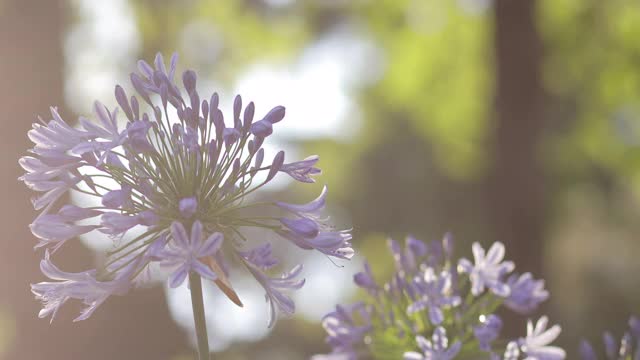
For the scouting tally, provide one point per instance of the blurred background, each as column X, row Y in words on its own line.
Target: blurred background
column 516, row 121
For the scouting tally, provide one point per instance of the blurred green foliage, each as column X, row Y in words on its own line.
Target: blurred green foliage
column 242, row 34
column 591, row 69
column 437, row 57
column 438, row 74
column 7, row 330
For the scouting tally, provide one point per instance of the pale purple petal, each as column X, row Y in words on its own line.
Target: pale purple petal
column 188, row 207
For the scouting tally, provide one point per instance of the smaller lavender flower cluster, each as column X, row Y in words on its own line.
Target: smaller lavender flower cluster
column 629, row 348
column 436, row 308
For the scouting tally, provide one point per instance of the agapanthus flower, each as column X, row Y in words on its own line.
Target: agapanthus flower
column 184, row 253
column 627, row 348
column 525, row 293
column 536, row 344
column 488, row 270
column 346, row 327
column 366, row 280
column 487, row 331
column 512, row 352
column 434, row 307
column 167, row 164
column 436, row 349
column 433, row 292
column 81, row 286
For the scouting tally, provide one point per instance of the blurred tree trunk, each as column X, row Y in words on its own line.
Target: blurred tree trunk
column 516, row 181
column 134, row 327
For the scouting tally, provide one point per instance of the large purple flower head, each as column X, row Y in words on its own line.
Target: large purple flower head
column 438, row 308
column 169, row 164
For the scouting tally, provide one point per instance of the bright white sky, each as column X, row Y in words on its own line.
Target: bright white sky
column 315, row 89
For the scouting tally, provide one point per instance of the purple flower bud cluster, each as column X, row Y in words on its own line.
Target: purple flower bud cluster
column 179, row 173
column 435, row 307
column 627, row 348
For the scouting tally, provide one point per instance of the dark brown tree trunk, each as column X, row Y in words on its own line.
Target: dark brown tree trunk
column 516, row 182
column 134, row 327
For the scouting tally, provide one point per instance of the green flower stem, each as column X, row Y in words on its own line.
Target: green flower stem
column 198, row 316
